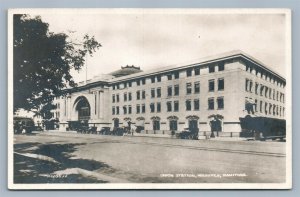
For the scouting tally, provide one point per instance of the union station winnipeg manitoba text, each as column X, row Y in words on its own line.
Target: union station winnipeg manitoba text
column 213, row 94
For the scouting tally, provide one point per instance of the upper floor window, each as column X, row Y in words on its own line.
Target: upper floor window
column 152, row 107
column 125, row 109
column 176, row 75
column 129, row 84
column 143, row 108
column 220, row 101
column 117, row 110
column 113, row 111
column 211, row 85
column 188, row 88
column 211, row 69
column 197, row 71
column 152, row 93
column 221, row 66
column 188, row 105
column 138, row 109
column 189, row 72
column 220, row 84
column 169, row 76
column 138, row 95
column 143, row 94
column 256, row 88
column 129, row 109
column 196, row 104
column 113, row 98
column 118, row 98
column 176, row 105
column 158, row 92
column 138, row 83
column 158, row 107
column 211, row 104
column 158, row 78
column 152, row 79
column 169, row 106
column 144, row 81
column 169, row 90
column 176, row 90
column 197, row 87
column 125, row 96
column 129, row 96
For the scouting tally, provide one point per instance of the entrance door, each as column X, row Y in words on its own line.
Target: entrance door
column 193, row 125
column 216, row 125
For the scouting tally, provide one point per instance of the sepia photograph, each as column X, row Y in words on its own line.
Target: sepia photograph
column 149, row 99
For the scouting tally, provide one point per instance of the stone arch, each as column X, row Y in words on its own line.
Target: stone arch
column 83, row 108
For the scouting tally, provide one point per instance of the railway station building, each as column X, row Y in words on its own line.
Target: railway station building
column 210, row 94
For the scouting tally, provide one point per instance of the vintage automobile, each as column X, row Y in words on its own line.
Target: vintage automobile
column 188, row 134
column 23, row 125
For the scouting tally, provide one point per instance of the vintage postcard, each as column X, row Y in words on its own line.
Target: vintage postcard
column 149, row 99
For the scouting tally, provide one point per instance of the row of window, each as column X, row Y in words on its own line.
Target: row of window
column 171, row 76
column 264, row 75
column 171, row 106
column 171, row 91
column 264, row 107
column 262, row 90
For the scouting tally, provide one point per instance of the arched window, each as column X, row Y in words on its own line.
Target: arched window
column 156, row 123
column 83, row 108
column 173, row 123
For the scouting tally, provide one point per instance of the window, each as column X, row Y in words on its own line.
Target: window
column 118, row 86
column 153, row 93
column 197, row 71
column 277, row 96
column 211, row 103
column 188, row 105
column 188, row 88
column 211, row 85
column 256, row 88
column 176, row 75
column 173, row 125
column 113, row 98
column 176, row 90
column 260, row 106
column 169, row 106
column 176, row 105
column 125, row 96
column 152, row 79
column 143, row 108
column 266, row 92
column 251, row 84
column 152, row 107
column 189, row 72
column 220, row 84
column 113, row 110
column 196, row 105
column 138, row 109
column 118, row 98
column 125, row 85
column 220, row 101
column 211, row 69
column 158, row 107
column 129, row 96
column 124, row 109
column 138, row 95
column 156, row 125
column 129, row 84
column 169, row 90
column 129, row 109
column 169, row 77
column 247, row 85
column 114, row 87
column 117, row 110
column 261, row 90
column 273, row 94
column 143, row 94
column 266, row 108
column 144, row 81
column 158, row 92
column 158, row 78
column 138, row 83
column 221, row 66
column 197, row 87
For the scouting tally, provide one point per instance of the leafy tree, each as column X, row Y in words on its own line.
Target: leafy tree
column 42, row 61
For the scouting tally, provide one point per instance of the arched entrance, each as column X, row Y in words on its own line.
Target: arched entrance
column 83, row 109
column 193, row 123
column 156, row 123
column 173, row 123
column 216, row 122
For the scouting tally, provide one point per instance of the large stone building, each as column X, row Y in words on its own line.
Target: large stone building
column 213, row 92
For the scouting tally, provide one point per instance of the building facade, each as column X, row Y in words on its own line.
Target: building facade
column 212, row 94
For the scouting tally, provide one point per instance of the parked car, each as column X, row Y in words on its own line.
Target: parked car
column 188, row 134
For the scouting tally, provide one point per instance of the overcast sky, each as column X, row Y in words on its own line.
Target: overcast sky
column 152, row 40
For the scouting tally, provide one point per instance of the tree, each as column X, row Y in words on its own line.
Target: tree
column 42, row 61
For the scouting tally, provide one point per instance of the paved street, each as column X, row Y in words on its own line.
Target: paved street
column 88, row 158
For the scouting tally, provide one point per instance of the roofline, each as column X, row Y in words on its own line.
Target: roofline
column 226, row 56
